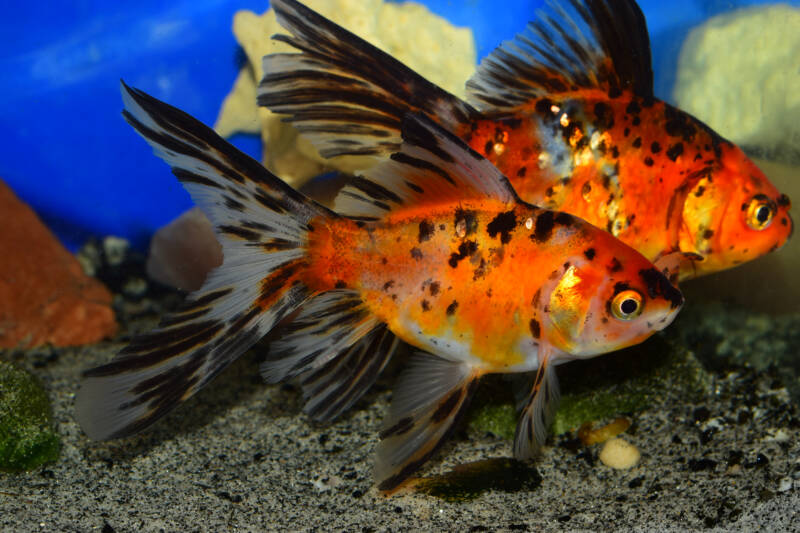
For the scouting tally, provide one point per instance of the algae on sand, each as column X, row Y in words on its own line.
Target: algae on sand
column 603, row 387
column 27, row 439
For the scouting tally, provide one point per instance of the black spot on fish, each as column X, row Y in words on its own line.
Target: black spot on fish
column 589, row 253
column 699, row 192
column 426, row 306
column 586, row 189
column 480, row 271
column 465, row 249
column 565, row 219
column 426, row 230
column 615, row 265
column 658, row 285
column 655, row 147
column 504, row 224
column 487, row 148
column 707, row 234
column 544, row 226
column 674, row 151
column 451, row 309
column 340, row 284
column 633, row 108
column 783, row 201
column 416, row 253
column 434, row 288
column 535, row 328
column 679, row 124
column 626, row 132
column 636, row 121
column 388, row 285
column 637, row 142
column 648, row 161
column 604, row 116
column 543, row 106
column 549, row 192
column 615, row 152
column 521, row 172
column 446, row 407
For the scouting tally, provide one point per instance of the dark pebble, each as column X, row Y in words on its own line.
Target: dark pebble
column 744, row 417
column 701, row 414
column 707, row 435
column 735, row 457
column 697, row 465
column 564, row 518
column 107, row 528
column 356, row 494
column 636, row 482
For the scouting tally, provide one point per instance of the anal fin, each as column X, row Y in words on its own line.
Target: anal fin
column 429, row 399
column 332, row 389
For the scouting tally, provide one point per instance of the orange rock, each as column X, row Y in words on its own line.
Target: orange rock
column 44, row 295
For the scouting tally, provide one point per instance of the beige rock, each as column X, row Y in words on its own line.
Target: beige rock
column 619, row 454
column 183, row 252
column 425, row 42
column 740, row 73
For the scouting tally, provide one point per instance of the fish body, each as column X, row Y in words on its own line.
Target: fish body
column 650, row 174
column 433, row 247
column 471, row 280
column 566, row 110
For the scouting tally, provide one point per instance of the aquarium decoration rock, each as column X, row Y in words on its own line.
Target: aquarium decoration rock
column 184, row 251
column 752, row 97
column 45, row 297
column 27, row 438
column 425, row 42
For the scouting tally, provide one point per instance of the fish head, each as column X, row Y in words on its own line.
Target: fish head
column 734, row 214
column 615, row 299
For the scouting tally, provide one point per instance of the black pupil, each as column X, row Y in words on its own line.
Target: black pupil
column 629, row 306
column 762, row 214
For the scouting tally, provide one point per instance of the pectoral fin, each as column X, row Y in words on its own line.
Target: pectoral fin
column 538, row 411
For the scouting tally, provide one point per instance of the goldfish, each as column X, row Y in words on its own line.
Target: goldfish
column 432, row 247
column 566, row 110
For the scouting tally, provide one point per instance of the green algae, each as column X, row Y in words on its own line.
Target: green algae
column 468, row 481
column 604, row 387
column 27, row 439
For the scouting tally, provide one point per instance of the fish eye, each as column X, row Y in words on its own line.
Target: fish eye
column 760, row 212
column 627, row 305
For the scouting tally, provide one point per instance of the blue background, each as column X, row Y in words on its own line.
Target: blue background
column 66, row 149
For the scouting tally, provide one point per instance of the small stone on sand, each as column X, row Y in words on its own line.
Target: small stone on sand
column 620, row 454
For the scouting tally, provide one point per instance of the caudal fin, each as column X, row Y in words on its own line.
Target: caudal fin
column 263, row 226
column 347, row 96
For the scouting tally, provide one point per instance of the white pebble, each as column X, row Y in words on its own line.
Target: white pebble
column 619, row 454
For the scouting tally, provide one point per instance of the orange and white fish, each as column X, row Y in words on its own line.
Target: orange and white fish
column 566, row 110
column 432, row 247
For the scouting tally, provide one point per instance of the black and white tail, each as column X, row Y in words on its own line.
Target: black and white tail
column 263, row 226
column 345, row 95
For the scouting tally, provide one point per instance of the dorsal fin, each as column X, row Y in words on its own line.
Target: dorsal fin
column 344, row 94
column 591, row 44
column 432, row 167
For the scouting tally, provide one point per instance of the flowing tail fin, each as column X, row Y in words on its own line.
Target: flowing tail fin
column 347, row 96
column 263, row 226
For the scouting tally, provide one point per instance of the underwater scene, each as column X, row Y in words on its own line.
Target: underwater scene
column 448, row 265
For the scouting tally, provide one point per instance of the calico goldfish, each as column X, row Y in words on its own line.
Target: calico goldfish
column 566, row 110
column 432, row 247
